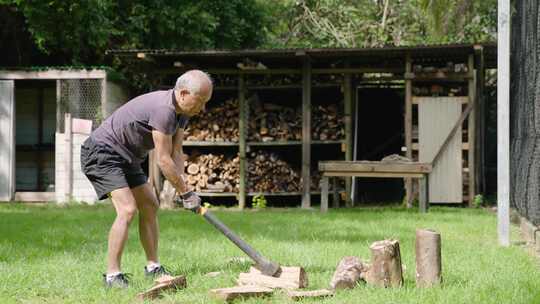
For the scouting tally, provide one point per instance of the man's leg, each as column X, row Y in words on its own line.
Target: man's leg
column 126, row 208
column 148, row 206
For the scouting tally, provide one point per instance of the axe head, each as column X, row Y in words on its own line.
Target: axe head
column 269, row 268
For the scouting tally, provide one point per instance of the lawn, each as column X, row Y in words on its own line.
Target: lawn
column 52, row 254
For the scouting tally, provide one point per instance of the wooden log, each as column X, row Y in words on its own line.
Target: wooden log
column 244, row 292
column 385, row 269
column 193, row 169
column 297, row 295
column 349, row 272
column 428, row 258
column 178, row 282
column 290, row 278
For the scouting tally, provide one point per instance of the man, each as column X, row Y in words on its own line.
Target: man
column 111, row 159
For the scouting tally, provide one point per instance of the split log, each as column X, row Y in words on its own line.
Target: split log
column 290, row 278
column 219, row 123
column 298, row 295
column 327, row 122
column 428, row 258
column 229, row 294
column 193, row 169
column 213, row 172
column 385, row 269
column 269, row 173
column 273, row 122
column 349, row 272
column 167, row 283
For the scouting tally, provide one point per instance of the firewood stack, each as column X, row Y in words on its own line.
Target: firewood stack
column 272, row 122
column 219, row 123
column 213, row 173
column 327, row 123
column 268, row 173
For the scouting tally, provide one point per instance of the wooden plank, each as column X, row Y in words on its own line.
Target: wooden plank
column 459, row 99
column 290, row 278
column 374, row 166
column 306, row 133
column 171, row 283
column 503, row 122
column 435, row 120
column 324, row 194
column 242, row 125
column 53, row 74
column 408, row 128
column 347, row 98
column 240, row 292
column 472, row 135
column 298, row 295
column 35, row 196
column 373, row 174
column 423, row 198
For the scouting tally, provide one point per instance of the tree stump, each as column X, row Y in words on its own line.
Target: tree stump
column 428, row 258
column 349, row 271
column 385, row 270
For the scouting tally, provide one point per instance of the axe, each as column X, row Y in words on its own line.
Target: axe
column 266, row 266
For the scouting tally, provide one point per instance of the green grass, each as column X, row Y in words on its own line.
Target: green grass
column 55, row 254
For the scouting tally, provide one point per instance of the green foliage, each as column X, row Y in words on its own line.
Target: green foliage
column 479, row 201
column 259, row 201
column 81, row 31
column 368, row 23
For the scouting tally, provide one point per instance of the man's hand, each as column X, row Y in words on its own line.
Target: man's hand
column 190, row 200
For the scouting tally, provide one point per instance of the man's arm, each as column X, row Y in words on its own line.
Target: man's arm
column 164, row 153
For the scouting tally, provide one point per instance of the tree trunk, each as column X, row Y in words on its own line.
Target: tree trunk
column 428, row 258
column 385, row 270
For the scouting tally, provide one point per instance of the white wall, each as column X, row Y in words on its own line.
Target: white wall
column 82, row 190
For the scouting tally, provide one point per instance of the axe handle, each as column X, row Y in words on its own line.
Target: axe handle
column 252, row 253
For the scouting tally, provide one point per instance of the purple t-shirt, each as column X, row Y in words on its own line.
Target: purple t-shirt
column 129, row 129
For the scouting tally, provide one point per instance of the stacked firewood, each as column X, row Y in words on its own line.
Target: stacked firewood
column 327, row 123
column 272, row 122
column 213, row 173
column 219, row 123
column 269, row 173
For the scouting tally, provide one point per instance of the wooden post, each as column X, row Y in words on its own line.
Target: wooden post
column 428, row 258
column 385, row 270
column 335, row 194
column 40, row 166
column 480, row 120
column 242, row 125
column 503, row 123
column 347, row 96
column 324, row 194
column 472, row 133
column 424, row 194
column 408, row 128
column 306, row 133
column 68, row 157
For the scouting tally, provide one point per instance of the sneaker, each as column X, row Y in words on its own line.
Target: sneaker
column 120, row 280
column 156, row 272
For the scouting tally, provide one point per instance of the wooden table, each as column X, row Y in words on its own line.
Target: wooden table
column 374, row 169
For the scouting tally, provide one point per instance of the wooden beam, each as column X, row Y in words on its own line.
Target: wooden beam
column 52, row 74
column 373, row 174
column 306, row 133
column 242, row 125
column 347, row 97
column 35, row 196
column 460, row 99
column 480, row 120
column 374, row 166
column 471, row 134
column 243, row 292
column 176, row 70
column 408, row 128
column 503, row 122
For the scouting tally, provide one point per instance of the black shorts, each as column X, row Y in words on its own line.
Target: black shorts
column 107, row 170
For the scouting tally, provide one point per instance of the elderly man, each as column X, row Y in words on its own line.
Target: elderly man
column 111, row 159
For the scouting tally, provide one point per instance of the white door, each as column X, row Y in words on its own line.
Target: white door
column 7, row 142
column 436, row 118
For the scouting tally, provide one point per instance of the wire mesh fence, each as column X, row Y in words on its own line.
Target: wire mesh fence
column 82, row 98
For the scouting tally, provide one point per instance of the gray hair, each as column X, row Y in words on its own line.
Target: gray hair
column 192, row 81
